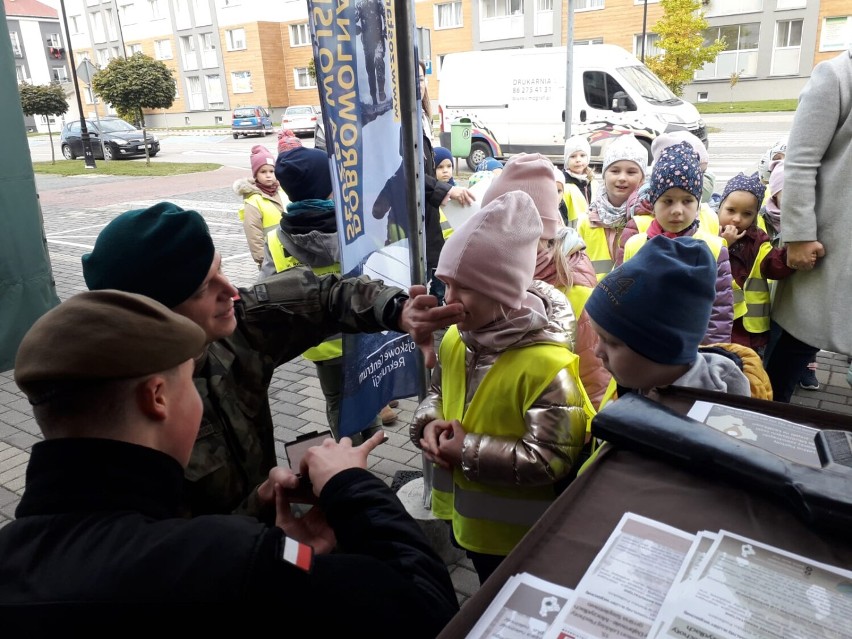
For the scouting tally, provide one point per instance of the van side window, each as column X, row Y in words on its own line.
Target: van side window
column 599, row 87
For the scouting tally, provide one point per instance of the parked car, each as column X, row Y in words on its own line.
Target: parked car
column 319, row 135
column 112, row 138
column 301, row 119
column 251, row 120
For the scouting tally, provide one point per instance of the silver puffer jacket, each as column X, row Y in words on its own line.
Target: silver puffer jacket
column 556, row 421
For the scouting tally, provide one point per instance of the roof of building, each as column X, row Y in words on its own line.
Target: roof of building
column 28, row 9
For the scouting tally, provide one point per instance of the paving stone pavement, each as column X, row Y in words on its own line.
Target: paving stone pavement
column 71, row 225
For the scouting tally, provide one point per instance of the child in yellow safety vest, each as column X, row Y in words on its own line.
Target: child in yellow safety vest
column 263, row 201
column 504, row 420
column 580, row 185
column 675, row 191
column 444, row 173
column 753, row 260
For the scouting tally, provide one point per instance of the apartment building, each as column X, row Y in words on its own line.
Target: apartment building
column 230, row 53
column 38, row 50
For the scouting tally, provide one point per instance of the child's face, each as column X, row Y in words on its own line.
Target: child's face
column 739, row 209
column 444, row 171
column 560, row 190
column 628, row 367
column 676, row 210
column 578, row 161
column 265, row 175
column 479, row 309
column 620, row 180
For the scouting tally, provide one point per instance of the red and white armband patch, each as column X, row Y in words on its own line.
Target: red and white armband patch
column 299, row 554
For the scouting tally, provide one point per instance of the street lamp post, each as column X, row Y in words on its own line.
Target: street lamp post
column 644, row 27
column 88, row 156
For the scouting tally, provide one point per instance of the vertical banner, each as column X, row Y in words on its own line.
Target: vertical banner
column 358, row 76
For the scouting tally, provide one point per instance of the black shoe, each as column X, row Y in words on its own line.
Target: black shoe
column 808, row 380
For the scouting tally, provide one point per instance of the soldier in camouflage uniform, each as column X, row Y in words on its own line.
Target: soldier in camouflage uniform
column 167, row 253
column 370, row 24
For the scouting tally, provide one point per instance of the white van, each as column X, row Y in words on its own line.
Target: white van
column 515, row 99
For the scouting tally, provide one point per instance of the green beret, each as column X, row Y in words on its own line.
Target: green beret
column 103, row 335
column 163, row 252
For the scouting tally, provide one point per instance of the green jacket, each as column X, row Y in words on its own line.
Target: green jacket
column 277, row 320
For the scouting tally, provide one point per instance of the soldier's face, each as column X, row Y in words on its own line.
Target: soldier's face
column 212, row 305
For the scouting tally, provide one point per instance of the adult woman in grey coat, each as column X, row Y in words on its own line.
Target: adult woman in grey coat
column 814, row 307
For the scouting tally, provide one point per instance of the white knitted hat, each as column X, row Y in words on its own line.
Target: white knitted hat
column 576, row 143
column 626, row 147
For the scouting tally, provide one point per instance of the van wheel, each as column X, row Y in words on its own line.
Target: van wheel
column 236, row 135
column 478, row 152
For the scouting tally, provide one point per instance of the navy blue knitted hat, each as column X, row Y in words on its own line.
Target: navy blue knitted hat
column 163, row 252
column 304, row 174
column 677, row 167
column 748, row 183
column 659, row 302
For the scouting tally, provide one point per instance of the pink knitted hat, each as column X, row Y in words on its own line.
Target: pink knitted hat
column 287, row 141
column 260, row 156
column 531, row 173
column 494, row 251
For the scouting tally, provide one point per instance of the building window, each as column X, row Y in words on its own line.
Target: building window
column 544, row 5
column 59, row 74
column 702, row 96
column 20, row 73
column 127, row 13
column 788, row 45
column 214, row 91
column 739, row 55
column 201, row 10
column 714, row 8
column 790, row 4
column 103, row 57
column 208, row 50
column 836, row 33
column 53, row 40
column 651, row 48
column 188, row 53
column 241, row 82
column 155, row 9
column 134, row 48
column 300, row 35
column 585, row 5
column 74, row 23
column 109, row 18
column 581, row 43
column 163, row 49
column 193, row 93
column 98, row 33
column 502, row 8
column 303, row 78
column 236, row 39
column 449, row 15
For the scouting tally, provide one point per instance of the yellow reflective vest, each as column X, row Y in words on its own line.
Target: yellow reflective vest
column 485, row 518
column 596, row 247
column 751, row 302
column 446, row 228
column 271, row 214
column 713, row 241
column 332, row 347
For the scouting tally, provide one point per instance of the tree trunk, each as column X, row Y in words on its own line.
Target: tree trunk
column 144, row 137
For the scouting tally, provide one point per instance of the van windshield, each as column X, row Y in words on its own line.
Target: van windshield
column 648, row 85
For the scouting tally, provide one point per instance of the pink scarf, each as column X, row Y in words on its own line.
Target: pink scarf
column 271, row 190
column 511, row 328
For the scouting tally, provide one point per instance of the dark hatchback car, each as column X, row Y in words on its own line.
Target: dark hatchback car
column 112, row 138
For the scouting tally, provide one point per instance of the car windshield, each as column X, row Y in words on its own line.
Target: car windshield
column 244, row 113
column 299, row 110
column 115, row 126
column 648, row 85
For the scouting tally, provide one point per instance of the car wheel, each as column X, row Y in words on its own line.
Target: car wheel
column 478, row 152
column 68, row 153
column 109, row 154
column 152, row 154
column 236, row 135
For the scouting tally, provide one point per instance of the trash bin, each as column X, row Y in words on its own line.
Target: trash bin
column 460, row 137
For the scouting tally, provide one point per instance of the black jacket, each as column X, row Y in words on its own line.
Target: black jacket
column 96, row 548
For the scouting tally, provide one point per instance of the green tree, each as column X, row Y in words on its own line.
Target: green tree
column 46, row 100
column 681, row 32
column 136, row 83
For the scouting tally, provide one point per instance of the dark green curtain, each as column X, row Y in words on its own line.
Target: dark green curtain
column 27, row 289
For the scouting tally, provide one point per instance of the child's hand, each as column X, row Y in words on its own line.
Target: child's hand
column 430, row 442
column 730, row 234
column 451, row 443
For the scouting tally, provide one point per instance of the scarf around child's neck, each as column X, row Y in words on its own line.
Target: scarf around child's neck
column 611, row 216
column 655, row 229
column 271, row 190
column 509, row 329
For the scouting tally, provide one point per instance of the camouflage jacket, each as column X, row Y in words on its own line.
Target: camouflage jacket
column 276, row 321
